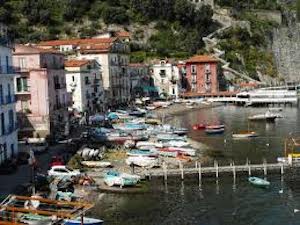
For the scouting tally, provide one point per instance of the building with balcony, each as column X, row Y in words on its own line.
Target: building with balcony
column 166, row 78
column 201, row 74
column 84, row 82
column 111, row 53
column 41, row 93
column 8, row 118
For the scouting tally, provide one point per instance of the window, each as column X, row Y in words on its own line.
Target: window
column 11, row 119
column 193, row 69
column 2, row 124
column 193, row 87
column 162, row 81
column 73, row 78
column 86, row 80
column 207, row 77
column 7, row 64
column 162, row 73
column 1, row 95
column 5, row 151
column 12, row 150
column 22, row 62
column 56, row 82
column 22, row 84
column 207, row 67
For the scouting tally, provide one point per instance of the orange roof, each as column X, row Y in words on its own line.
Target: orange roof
column 76, row 62
column 95, row 48
column 252, row 84
column 202, row 59
column 77, row 41
column 29, row 49
column 123, row 34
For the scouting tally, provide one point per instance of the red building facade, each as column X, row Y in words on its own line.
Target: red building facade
column 201, row 74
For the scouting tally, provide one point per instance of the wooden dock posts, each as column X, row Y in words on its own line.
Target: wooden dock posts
column 216, row 170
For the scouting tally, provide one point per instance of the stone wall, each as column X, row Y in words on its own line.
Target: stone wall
column 286, row 48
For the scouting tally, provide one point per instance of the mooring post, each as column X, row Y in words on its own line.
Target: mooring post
column 265, row 167
column 282, row 169
column 165, row 169
column 196, row 164
column 181, row 168
column 200, row 174
column 249, row 169
column 217, row 169
column 234, row 172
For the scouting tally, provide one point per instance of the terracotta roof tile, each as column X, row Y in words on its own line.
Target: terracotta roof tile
column 76, row 62
column 77, row 41
column 202, row 59
column 28, row 49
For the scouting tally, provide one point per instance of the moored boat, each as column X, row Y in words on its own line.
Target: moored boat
column 114, row 178
column 259, row 182
column 245, row 134
column 139, row 152
column 199, row 126
column 182, row 151
column 214, row 131
column 86, row 221
column 216, row 126
column 142, row 161
column 268, row 117
column 96, row 164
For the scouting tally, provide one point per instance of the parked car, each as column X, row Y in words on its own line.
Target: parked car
column 63, row 172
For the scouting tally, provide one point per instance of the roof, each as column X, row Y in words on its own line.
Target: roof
column 26, row 49
column 77, row 41
column 123, row 34
column 76, row 62
column 202, row 59
column 95, row 48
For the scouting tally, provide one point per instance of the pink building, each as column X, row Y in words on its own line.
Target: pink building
column 42, row 98
column 201, row 74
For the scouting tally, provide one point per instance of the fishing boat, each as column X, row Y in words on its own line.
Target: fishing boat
column 199, row 126
column 215, row 126
column 114, row 178
column 214, row 131
column 32, row 219
column 96, row 164
column 142, row 161
column 170, row 137
column 86, row 221
column 245, row 134
column 182, row 151
column 140, row 152
column 259, row 182
column 268, row 117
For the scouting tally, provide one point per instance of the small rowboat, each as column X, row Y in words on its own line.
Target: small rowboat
column 86, row 221
column 245, row 134
column 259, row 182
column 199, row 126
column 214, row 131
column 219, row 126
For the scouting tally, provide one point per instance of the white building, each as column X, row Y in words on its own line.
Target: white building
column 84, row 82
column 166, row 79
column 8, row 118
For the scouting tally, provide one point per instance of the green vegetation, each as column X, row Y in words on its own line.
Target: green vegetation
column 180, row 24
column 249, row 4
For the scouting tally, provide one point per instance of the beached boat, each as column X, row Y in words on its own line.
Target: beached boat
column 199, row 126
column 214, row 131
column 170, row 137
column 153, row 121
column 268, row 117
column 114, row 178
column 245, row 134
column 259, row 182
column 183, row 151
column 142, row 161
column 32, row 219
column 180, row 131
column 141, row 152
column 175, row 143
column 96, row 164
column 86, row 221
column 130, row 126
column 168, row 152
column 140, row 144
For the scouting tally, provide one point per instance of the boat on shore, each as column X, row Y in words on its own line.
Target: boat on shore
column 142, row 161
column 259, row 182
column 114, row 178
column 142, row 152
column 245, row 134
column 216, row 126
column 199, row 126
column 96, row 164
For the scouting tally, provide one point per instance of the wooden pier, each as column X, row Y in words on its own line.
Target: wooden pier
column 217, row 170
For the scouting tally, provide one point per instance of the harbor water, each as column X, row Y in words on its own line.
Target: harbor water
column 222, row 201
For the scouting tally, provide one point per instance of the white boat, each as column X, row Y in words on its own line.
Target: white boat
column 176, row 144
column 32, row 219
column 86, row 221
column 114, row 178
column 148, row 143
column 142, row 161
column 182, row 151
column 268, row 116
column 246, row 134
column 96, row 164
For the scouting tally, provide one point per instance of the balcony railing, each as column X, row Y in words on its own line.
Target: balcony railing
column 7, row 70
column 8, row 99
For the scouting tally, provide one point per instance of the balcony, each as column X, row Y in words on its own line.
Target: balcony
column 59, row 86
column 9, row 99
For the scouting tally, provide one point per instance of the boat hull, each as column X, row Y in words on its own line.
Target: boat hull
column 259, row 182
column 86, row 221
column 215, row 131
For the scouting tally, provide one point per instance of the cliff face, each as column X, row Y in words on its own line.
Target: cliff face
column 286, row 48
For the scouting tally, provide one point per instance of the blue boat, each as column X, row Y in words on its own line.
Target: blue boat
column 86, row 221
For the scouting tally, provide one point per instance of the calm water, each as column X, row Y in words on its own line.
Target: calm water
column 222, row 202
